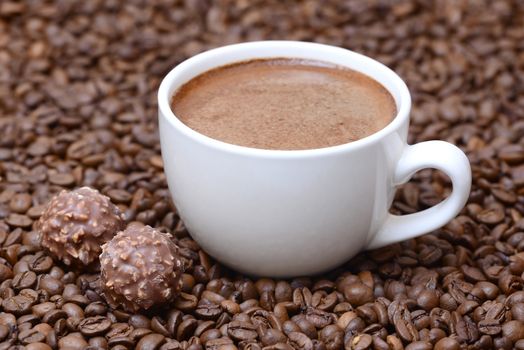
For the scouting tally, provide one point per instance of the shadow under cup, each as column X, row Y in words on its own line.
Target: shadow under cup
column 282, row 213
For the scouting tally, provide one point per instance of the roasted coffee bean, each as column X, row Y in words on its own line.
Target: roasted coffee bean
column 465, row 328
column 300, row 341
column 15, row 237
column 394, row 342
column 51, row 339
column 18, row 305
column 319, row 318
column 283, row 292
column 356, row 326
column 332, row 336
column 223, row 320
column 97, row 309
column 208, row 311
column 325, row 302
column 119, row 347
column 435, row 334
column 71, row 323
column 41, row 309
column 60, row 327
column 267, row 300
column 137, row 321
column 150, row 342
column 73, row 341
column 175, row 345
column 209, row 335
column 19, row 220
column 305, row 326
column 54, row 315
column 272, row 336
column 9, row 344
column 23, row 280
column 78, row 300
column 38, row 346
column 40, row 263
column 265, row 284
column 99, row 342
column 467, row 307
column 379, row 343
column 70, row 290
column 20, row 202
column 230, row 307
column 5, row 272
column 402, row 320
column 517, row 311
column 278, row 346
column 93, row 326
column 447, row 344
column 420, row 319
column 174, row 318
column 218, row 342
column 4, row 331
column 43, row 328
column 359, row 342
column 242, row 331
column 50, row 284
column 489, row 327
column 126, row 342
column 428, row 299
column 73, row 310
column 302, row 297
column 30, row 336
column 138, row 333
column 31, row 319
column 259, row 319
column 485, row 342
column 358, row 293
column 290, row 326
column 367, row 313
column 513, row 330
column 345, row 318
column 31, row 294
column 502, row 343
column 185, row 302
column 419, row 345
column 119, row 330
column 159, row 326
column 186, row 328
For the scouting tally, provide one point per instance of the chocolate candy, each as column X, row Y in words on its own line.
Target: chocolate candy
column 140, row 267
column 75, row 224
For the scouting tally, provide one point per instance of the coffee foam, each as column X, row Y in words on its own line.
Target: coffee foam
column 284, row 104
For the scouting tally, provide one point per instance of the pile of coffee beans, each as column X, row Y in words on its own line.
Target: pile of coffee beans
column 78, row 83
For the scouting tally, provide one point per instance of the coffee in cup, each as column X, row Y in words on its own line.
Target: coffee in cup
column 284, row 104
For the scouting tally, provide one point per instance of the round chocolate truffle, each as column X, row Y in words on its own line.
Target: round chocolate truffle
column 75, row 224
column 140, row 267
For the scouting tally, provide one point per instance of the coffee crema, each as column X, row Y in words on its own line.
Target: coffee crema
column 284, row 104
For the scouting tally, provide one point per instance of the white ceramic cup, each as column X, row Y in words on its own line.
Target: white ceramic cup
column 288, row 213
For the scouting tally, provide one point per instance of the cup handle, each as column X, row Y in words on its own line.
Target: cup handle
column 430, row 154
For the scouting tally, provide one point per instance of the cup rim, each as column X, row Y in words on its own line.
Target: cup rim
column 165, row 111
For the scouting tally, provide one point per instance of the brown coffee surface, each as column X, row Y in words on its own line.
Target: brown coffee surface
column 284, row 104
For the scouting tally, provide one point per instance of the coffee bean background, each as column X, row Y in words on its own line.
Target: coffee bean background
column 78, row 83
